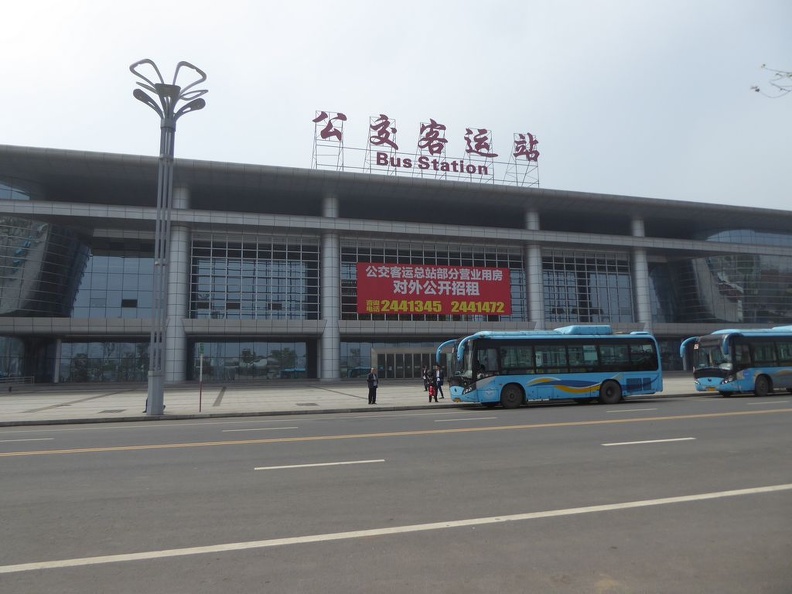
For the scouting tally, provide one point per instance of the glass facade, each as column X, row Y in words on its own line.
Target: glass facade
column 231, row 361
column 726, row 288
column 12, row 193
column 12, row 358
column 411, row 252
column 264, row 278
column 104, row 361
column 587, row 287
column 395, row 360
column 117, row 283
column 40, row 268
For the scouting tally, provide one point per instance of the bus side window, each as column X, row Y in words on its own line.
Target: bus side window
column 614, row 357
column 784, row 353
column 514, row 359
column 643, row 357
column 582, row 357
column 764, row 354
column 551, row 358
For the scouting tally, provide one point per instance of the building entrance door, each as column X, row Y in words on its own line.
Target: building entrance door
column 402, row 363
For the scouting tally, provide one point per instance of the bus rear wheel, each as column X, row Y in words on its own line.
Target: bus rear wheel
column 762, row 387
column 610, row 392
column 511, row 397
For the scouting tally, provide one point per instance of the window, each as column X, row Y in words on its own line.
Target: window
column 517, row 359
column 587, row 287
column 550, row 358
column 614, row 357
column 643, row 357
column 764, row 354
column 582, row 357
column 255, row 278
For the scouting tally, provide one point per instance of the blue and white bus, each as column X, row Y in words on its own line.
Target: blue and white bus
column 733, row 361
column 581, row 363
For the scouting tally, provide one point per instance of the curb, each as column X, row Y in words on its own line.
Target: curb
column 229, row 415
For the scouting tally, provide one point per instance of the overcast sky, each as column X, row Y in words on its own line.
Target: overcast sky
column 633, row 97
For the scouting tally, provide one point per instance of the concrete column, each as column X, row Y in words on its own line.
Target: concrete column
column 640, row 274
column 178, row 294
column 532, row 220
column 532, row 256
column 58, row 353
column 330, row 207
column 330, row 343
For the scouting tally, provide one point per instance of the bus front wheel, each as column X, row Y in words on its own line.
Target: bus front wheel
column 610, row 392
column 762, row 387
column 511, row 397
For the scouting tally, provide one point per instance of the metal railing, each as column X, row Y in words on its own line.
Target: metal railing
column 17, row 380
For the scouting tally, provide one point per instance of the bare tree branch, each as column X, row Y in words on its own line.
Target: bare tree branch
column 780, row 81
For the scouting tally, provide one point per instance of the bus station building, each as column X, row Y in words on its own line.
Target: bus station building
column 265, row 265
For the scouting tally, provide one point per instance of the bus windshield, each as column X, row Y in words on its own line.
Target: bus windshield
column 710, row 355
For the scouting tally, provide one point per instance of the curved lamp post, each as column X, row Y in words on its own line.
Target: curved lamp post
column 164, row 99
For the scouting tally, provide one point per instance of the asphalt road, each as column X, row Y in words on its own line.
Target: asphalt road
column 653, row 495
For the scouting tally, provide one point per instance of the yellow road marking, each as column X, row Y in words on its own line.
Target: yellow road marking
column 204, row 444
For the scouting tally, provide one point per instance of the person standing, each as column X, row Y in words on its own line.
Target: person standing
column 425, row 374
column 372, row 381
column 439, row 377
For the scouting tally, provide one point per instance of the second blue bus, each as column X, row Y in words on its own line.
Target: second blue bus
column 732, row 361
column 581, row 363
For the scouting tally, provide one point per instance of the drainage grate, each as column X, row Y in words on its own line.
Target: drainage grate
column 112, row 410
column 306, row 404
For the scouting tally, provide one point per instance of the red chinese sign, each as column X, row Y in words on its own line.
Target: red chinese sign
column 391, row 289
column 478, row 142
column 383, row 132
column 525, row 146
column 332, row 129
column 433, row 137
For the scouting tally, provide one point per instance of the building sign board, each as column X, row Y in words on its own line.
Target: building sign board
column 391, row 289
column 475, row 161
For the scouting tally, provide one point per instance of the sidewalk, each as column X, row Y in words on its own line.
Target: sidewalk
column 90, row 403
column 93, row 403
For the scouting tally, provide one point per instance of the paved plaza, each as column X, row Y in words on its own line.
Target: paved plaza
column 69, row 403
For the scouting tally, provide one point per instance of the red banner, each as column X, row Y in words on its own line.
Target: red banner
column 391, row 289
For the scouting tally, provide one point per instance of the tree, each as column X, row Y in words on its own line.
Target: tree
column 780, row 80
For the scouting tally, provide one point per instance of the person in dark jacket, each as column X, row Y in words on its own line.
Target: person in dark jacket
column 426, row 374
column 439, row 377
column 372, row 381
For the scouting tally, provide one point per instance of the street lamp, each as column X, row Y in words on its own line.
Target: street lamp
column 169, row 96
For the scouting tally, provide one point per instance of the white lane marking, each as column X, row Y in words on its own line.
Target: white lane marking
column 28, row 439
column 258, row 429
column 629, row 410
column 649, row 441
column 279, row 542
column 464, row 419
column 768, row 402
column 315, row 465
